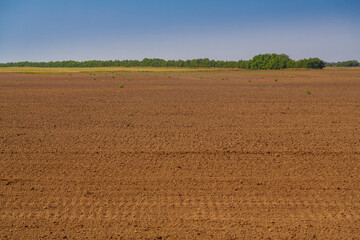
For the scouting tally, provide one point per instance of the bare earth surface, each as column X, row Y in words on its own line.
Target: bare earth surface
column 181, row 155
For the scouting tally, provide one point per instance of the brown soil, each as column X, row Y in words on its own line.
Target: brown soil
column 181, row 155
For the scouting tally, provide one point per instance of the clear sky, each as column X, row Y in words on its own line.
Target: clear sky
column 46, row 30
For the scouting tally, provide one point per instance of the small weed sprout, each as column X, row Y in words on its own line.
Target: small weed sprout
column 276, row 80
column 121, row 85
column 308, row 92
column 129, row 79
column 161, row 84
column 249, row 81
column 288, row 92
column 270, row 86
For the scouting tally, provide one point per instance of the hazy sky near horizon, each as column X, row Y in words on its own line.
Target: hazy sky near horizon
column 45, row 30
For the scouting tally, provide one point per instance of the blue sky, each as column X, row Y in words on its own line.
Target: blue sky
column 46, row 30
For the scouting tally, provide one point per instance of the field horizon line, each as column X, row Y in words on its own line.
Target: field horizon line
column 49, row 70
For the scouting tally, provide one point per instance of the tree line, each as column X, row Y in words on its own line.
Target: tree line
column 352, row 63
column 261, row 61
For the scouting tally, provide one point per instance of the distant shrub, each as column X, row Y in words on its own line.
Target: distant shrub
column 271, row 61
column 311, row 63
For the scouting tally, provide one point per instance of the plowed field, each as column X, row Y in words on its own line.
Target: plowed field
column 181, row 155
